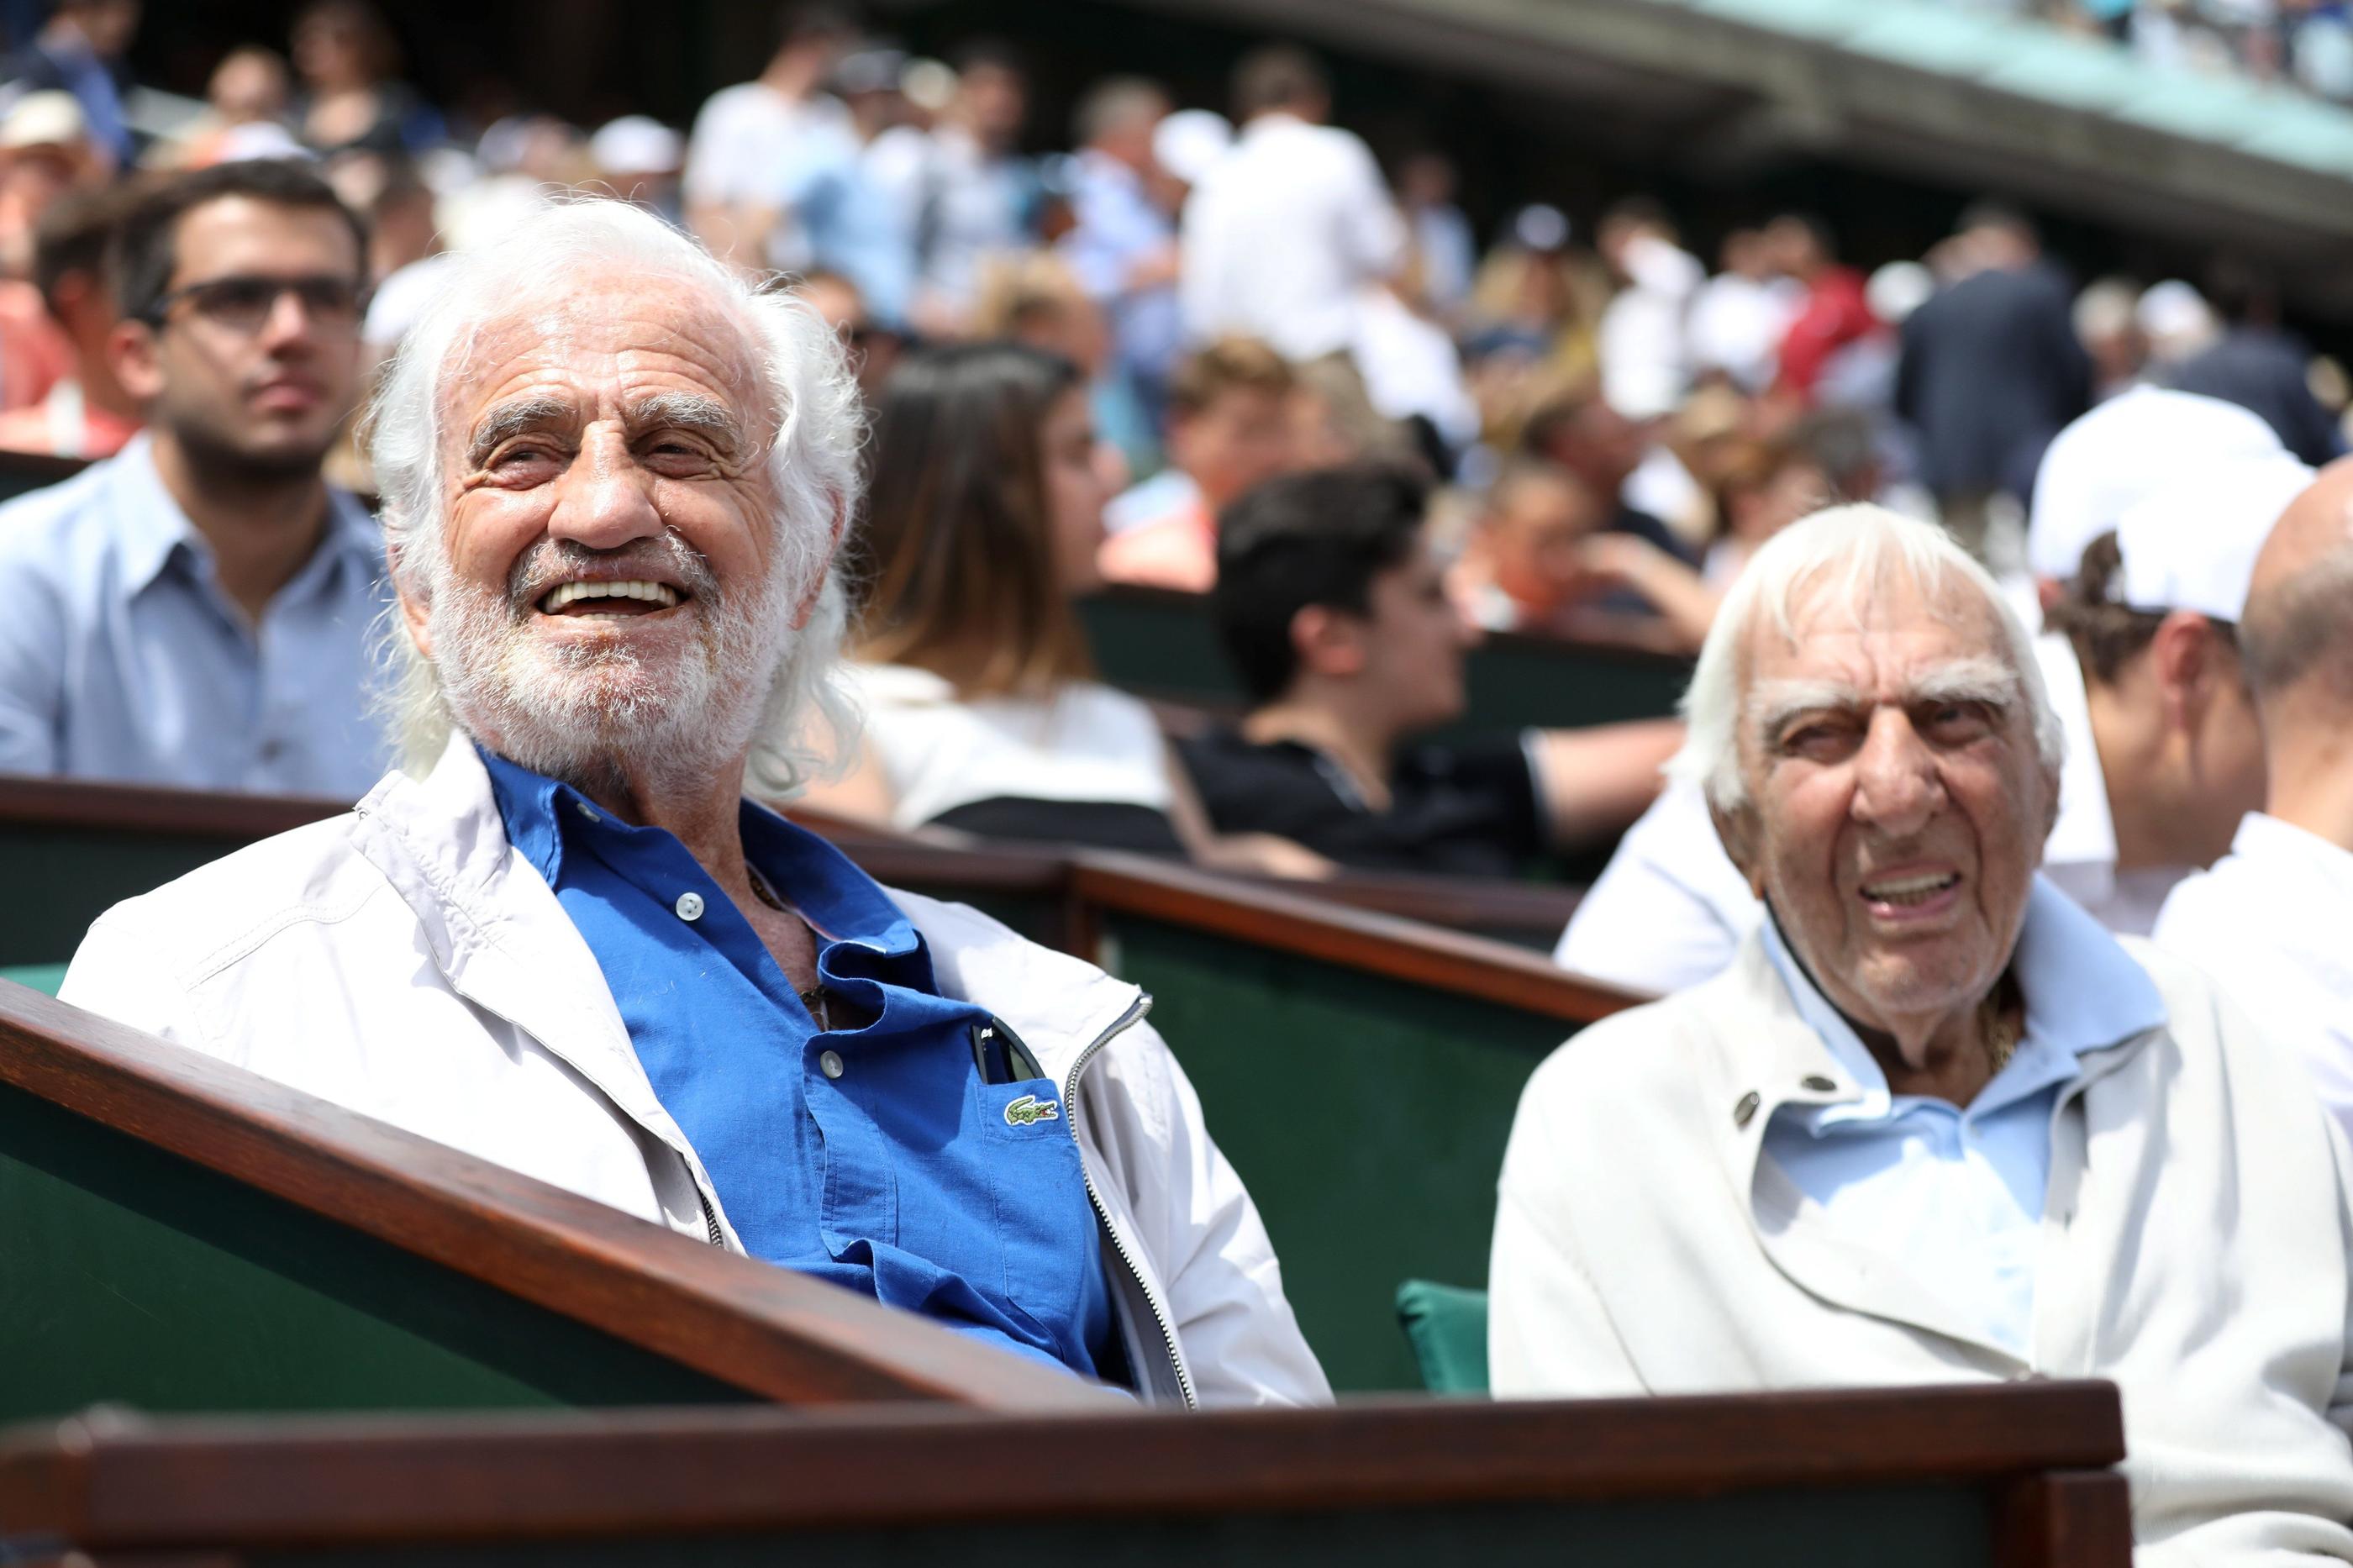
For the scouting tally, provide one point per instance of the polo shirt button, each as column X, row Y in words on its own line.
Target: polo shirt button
column 1817, row 1082
column 690, row 905
column 587, row 810
column 1747, row 1109
column 829, row 1063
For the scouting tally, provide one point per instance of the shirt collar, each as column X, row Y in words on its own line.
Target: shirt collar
column 2083, row 993
column 841, row 902
column 148, row 523
column 2271, row 844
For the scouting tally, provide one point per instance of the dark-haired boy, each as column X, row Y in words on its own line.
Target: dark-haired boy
column 1336, row 616
column 196, row 610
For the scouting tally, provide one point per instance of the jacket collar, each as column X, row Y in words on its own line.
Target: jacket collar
column 498, row 933
column 2094, row 998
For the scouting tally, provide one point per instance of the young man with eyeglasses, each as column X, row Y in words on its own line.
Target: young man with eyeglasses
column 196, row 610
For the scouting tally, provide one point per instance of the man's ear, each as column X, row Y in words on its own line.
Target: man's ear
column 1736, row 829
column 416, row 612
column 130, row 350
column 2182, row 660
column 1327, row 641
column 809, row 595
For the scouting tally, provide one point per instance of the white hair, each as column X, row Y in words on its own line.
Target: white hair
column 1847, row 552
column 811, row 450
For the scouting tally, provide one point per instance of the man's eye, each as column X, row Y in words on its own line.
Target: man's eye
column 1815, row 741
column 1959, row 721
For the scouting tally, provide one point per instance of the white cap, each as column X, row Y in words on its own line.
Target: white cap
column 46, row 118
column 2137, row 444
column 1189, row 143
column 2192, row 546
column 637, row 145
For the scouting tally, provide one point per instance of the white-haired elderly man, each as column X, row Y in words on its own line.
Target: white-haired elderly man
column 615, row 478
column 1934, row 1122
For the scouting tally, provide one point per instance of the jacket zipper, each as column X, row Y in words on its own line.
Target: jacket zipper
column 1135, row 1010
column 709, row 1219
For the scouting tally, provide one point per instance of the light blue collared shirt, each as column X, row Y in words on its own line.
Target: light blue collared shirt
column 1954, row 1196
column 121, row 657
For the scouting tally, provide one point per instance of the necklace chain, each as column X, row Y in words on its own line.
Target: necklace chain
column 814, row 998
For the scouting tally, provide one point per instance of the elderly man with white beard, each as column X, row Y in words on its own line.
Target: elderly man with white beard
column 1936, row 1123
column 615, row 479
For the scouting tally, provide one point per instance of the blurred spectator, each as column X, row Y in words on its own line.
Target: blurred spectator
column 86, row 412
column 1990, row 370
column 197, row 608
column 1834, row 317
column 2177, row 323
column 873, row 350
column 1443, row 243
column 1281, row 235
column 351, row 96
column 45, row 152
column 2111, row 335
column 1229, row 428
column 2258, row 365
column 1603, row 447
column 982, row 521
column 1741, row 314
column 1335, row 615
column 1768, row 486
column 1412, row 373
column 1542, row 557
column 745, row 133
column 973, row 194
column 1035, row 300
column 79, row 50
column 1122, row 239
column 639, row 158
column 830, row 199
column 1645, row 360
column 245, row 104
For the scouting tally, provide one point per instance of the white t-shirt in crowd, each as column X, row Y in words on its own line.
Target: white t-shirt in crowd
column 1671, row 909
column 743, row 137
column 1283, row 233
column 1088, row 743
column 2269, row 922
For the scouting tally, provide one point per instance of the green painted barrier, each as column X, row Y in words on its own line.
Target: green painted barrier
column 1164, row 644
column 1447, row 1327
column 1368, row 1116
column 127, row 1274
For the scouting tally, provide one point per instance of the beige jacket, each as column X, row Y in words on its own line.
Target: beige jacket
column 2195, row 1250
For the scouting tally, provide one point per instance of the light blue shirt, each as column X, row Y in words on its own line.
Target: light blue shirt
column 1115, row 224
column 121, row 657
column 1954, row 1196
column 853, row 225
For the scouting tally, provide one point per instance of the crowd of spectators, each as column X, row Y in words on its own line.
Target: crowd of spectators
column 2307, row 42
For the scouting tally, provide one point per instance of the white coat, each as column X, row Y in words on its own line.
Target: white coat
column 405, row 962
column 2195, row 1247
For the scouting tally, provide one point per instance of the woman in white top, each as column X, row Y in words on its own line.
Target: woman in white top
column 984, row 515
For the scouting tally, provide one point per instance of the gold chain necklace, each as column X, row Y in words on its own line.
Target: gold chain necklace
column 814, row 998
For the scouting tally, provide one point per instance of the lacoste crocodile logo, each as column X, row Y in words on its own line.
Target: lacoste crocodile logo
column 1030, row 1108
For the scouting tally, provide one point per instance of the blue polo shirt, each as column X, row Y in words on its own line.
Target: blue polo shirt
column 874, row 1157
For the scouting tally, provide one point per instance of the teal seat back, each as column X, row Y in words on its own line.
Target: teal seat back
column 1447, row 1326
column 43, row 978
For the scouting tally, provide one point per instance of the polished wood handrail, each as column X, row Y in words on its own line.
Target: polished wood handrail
column 111, row 1480
column 156, row 809
column 773, row 1333
column 1376, row 944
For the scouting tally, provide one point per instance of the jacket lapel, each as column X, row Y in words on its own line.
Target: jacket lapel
column 496, row 928
column 1765, row 1049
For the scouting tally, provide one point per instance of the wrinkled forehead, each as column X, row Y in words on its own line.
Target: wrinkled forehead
column 603, row 340
column 1838, row 616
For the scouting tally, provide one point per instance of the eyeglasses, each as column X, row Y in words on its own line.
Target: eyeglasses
column 242, row 303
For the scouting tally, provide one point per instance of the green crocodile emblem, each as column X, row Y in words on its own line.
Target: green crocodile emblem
column 1030, row 1108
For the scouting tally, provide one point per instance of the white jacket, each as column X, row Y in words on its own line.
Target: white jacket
column 2195, row 1247
column 405, row 962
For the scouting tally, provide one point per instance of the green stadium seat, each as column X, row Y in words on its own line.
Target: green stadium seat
column 43, row 978
column 1447, row 1326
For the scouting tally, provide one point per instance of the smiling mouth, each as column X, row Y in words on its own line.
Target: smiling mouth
column 1906, row 893
column 609, row 601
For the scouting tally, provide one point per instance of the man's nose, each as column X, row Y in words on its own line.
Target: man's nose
column 1896, row 787
column 288, row 329
column 605, row 498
